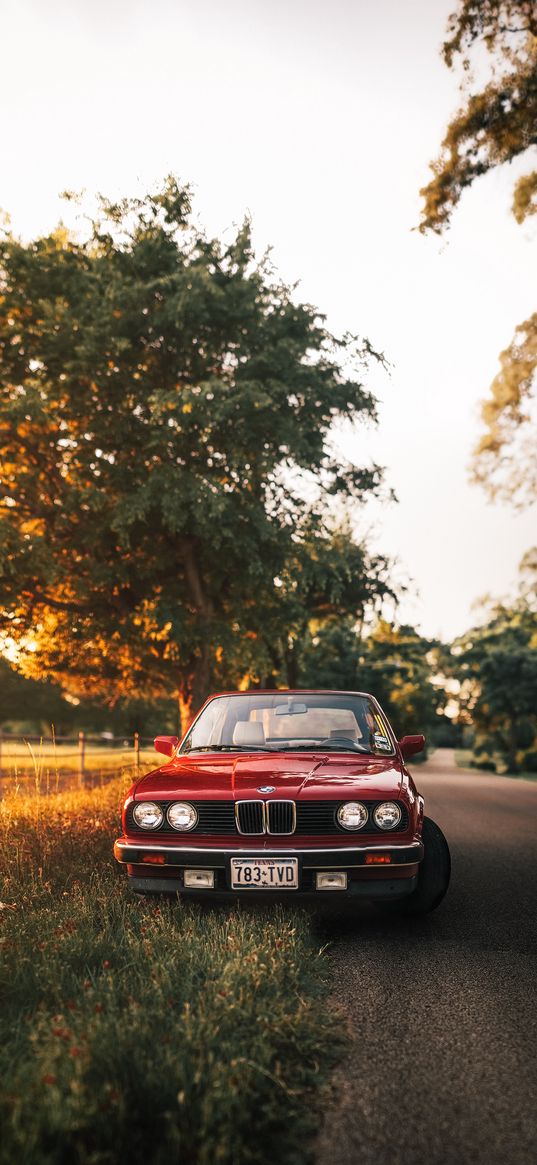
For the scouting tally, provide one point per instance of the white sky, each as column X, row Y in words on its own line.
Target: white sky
column 320, row 120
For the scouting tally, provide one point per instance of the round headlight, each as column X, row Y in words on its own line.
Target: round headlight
column 387, row 815
column 148, row 815
column 181, row 815
column 353, row 815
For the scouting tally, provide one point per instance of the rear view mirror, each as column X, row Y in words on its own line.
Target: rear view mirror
column 410, row 745
column 292, row 708
column 166, row 744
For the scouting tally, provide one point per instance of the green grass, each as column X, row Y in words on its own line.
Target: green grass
column 135, row 1030
column 464, row 760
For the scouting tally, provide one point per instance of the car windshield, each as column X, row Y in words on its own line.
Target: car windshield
column 280, row 722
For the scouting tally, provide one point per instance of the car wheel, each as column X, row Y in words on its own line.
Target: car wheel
column 434, row 872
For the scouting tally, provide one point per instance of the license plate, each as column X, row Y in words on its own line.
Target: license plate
column 264, row 874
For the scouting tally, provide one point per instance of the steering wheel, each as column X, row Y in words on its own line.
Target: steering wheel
column 346, row 740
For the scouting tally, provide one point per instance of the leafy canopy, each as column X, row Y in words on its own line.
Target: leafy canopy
column 393, row 662
column 165, row 440
column 496, row 124
column 496, row 664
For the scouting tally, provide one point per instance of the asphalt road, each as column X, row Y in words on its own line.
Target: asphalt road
column 442, row 1011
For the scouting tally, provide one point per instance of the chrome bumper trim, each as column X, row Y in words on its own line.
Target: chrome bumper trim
column 413, row 851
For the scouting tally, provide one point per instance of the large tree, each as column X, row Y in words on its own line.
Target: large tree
column 496, row 124
column 165, row 439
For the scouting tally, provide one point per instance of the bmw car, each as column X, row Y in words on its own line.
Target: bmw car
column 302, row 795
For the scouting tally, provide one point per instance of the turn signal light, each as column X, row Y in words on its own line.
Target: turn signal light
column 378, row 859
column 154, row 859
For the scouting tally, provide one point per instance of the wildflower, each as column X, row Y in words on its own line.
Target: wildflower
column 48, row 1078
column 106, row 965
column 74, row 1052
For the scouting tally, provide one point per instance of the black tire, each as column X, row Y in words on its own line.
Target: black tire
column 434, row 872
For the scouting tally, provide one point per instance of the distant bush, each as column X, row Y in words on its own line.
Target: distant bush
column 484, row 762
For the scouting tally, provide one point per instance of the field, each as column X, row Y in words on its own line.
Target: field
column 47, row 761
column 140, row 1031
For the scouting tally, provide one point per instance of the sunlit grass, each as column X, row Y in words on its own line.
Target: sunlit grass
column 49, row 759
column 134, row 1030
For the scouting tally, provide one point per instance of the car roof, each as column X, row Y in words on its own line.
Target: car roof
column 293, row 692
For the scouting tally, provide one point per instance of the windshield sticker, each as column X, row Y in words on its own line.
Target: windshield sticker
column 381, row 741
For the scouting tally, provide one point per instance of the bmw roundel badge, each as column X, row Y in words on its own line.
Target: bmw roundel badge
column 267, row 789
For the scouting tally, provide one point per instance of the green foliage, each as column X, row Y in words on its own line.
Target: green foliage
column 328, row 580
column 530, row 760
column 20, row 698
column 399, row 665
column 166, row 415
column 497, row 667
column 394, row 663
column 496, row 124
column 34, row 706
column 174, row 1032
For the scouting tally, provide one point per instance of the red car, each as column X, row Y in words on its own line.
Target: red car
column 302, row 793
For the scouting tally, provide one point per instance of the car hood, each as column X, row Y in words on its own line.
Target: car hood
column 314, row 776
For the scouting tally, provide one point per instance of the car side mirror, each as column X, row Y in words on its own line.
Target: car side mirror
column 166, row 744
column 410, row 745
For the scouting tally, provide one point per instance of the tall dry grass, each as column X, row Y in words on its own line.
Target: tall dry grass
column 132, row 1031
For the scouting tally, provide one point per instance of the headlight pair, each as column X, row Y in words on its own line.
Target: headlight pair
column 353, row 815
column 181, row 815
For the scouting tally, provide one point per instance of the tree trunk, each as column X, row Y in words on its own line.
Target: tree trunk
column 184, row 710
column 512, row 761
column 291, row 665
column 200, row 678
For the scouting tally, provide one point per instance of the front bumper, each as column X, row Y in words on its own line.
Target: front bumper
column 364, row 880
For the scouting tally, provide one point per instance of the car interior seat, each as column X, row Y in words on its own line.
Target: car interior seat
column 248, row 732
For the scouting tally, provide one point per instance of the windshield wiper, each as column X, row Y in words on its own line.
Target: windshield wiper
column 276, row 748
column 342, row 748
column 228, row 748
column 322, row 748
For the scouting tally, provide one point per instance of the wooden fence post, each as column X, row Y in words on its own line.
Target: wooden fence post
column 81, row 755
column 137, row 750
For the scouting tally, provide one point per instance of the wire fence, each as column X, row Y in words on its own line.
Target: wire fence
column 84, row 757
